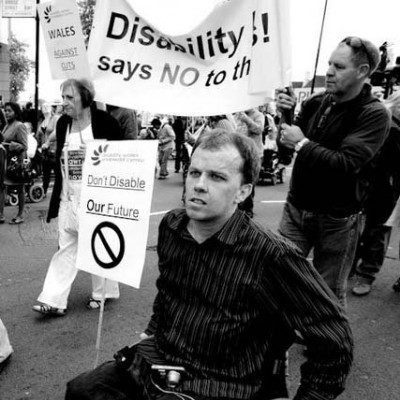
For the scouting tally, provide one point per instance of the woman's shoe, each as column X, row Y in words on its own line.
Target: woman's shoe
column 93, row 304
column 2, row 219
column 45, row 309
column 16, row 221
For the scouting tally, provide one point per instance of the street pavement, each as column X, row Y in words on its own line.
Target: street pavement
column 50, row 351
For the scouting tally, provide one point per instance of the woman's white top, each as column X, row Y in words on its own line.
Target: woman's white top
column 72, row 158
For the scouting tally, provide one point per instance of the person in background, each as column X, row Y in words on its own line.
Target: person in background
column 80, row 124
column 166, row 137
column 230, row 297
column 50, row 144
column 45, row 136
column 270, row 131
column 32, row 115
column 32, row 142
column 374, row 240
column 336, row 136
column 49, row 160
column 179, row 129
column 3, row 121
column 221, row 122
column 251, row 123
column 15, row 139
column 151, row 132
column 127, row 120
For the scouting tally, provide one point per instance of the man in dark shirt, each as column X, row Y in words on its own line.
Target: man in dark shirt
column 336, row 137
column 230, row 298
column 179, row 128
column 127, row 120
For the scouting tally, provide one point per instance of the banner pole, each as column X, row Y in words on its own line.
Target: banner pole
column 37, row 63
column 100, row 325
column 319, row 48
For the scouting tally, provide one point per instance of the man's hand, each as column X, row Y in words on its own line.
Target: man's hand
column 285, row 101
column 144, row 336
column 241, row 116
column 291, row 135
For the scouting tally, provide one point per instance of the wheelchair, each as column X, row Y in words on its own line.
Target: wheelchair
column 33, row 190
column 271, row 169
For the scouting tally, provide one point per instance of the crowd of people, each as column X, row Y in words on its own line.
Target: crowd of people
column 225, row 283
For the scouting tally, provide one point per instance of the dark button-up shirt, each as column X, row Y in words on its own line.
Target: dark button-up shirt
column 219, row 303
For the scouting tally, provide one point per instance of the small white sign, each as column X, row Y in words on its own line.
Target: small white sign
column 19, row 8
column 64, row 39
column 117, row 188
column 303, row 94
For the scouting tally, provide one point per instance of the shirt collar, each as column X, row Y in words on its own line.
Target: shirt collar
column 228, row 234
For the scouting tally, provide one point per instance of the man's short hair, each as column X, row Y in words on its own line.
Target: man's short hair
column 218, row 138
column 364, row 51
column 85, row 89
column 156, row 123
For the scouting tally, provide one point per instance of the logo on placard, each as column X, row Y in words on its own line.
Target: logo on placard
column 47, row 12
column 108, row 245
column 97, row 153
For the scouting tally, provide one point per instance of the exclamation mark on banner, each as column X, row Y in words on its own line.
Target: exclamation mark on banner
column 264, row 18
column 254, row 29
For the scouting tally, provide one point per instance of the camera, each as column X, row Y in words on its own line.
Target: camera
column 172, row 374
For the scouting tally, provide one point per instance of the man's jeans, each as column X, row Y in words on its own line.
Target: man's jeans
column 333, row 240
column 371, row 250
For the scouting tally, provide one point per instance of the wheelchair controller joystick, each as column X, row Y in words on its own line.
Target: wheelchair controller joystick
column 171, row 373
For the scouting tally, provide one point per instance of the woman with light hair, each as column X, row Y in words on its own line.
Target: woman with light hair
column 80, row 124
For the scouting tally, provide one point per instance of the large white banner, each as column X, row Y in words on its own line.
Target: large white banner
column 117, row 187
column 65, row 45
column 232, row 61
column 18, row 8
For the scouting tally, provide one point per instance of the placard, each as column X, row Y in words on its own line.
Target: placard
column 65, row 44
column 117, row 188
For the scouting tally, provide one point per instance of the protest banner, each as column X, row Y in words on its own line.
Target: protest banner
column 65, row 45
column 232, row 61
column 19, row 8
column 117, row 187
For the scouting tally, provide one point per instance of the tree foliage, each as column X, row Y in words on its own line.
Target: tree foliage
column 86, row 12
column 20, row 66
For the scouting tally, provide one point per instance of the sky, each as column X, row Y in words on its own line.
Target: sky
column 377, row 21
